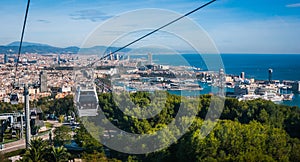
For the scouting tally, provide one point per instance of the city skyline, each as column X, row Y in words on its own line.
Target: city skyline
column 235, row 26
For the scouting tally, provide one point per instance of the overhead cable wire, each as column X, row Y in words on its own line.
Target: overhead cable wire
column 21, row 41
column 154, row 31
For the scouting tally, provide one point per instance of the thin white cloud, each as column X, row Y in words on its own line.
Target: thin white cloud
column 90, row 14
column 43, row 21
column 293, row 5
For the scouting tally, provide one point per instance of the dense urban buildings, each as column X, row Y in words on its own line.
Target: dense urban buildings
column 53, row 75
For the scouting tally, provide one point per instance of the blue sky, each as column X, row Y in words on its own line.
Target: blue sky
column 236, row 26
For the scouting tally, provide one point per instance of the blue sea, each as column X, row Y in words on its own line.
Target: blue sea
column 285, row 66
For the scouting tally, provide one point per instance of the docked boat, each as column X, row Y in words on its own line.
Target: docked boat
column 288, row 97
column 273, row 97
column 248, row 97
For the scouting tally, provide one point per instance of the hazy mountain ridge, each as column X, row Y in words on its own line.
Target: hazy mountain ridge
column 37, row 49
column 29, row 47
column 17, row 43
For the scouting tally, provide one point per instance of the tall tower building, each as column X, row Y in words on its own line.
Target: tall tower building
column 111, row 56
column 5, row 59
column 43, row 81
column 243, row 75
column 221, row 82
column 117, row 57
column 58, row 59
column 270, row 75
column 149, row 58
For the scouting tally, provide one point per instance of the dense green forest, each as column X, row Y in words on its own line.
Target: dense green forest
column 256, row 130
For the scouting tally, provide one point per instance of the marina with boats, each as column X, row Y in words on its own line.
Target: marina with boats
column 148, row 76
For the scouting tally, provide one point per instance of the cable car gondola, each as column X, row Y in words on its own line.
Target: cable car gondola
column 14, row 98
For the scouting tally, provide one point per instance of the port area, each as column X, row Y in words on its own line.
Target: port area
column 156, row 84
column 130, row 76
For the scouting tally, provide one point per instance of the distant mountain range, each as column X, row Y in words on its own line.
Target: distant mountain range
column 29, row 47
column 16, row 43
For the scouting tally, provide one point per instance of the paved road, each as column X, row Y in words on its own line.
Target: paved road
column 20, row 144
column 13, row 146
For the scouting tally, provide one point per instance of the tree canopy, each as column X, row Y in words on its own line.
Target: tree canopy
column 256, row 130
